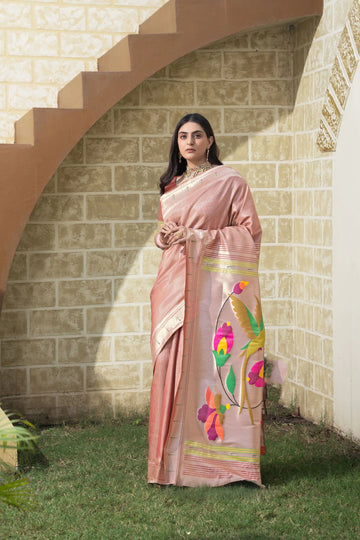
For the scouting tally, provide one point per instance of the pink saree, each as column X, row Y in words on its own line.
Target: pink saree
column 207, row 338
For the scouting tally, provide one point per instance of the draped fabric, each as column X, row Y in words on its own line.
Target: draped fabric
column 207, row 337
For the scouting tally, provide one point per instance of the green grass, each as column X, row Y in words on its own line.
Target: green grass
column 90, row 481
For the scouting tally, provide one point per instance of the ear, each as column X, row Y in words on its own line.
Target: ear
column 211, row 140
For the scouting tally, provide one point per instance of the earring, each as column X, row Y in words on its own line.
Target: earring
column 207, row 154
column 180, row 157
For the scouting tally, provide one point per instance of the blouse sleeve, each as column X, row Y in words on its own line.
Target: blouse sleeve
column 244, row 214
column 157, row 238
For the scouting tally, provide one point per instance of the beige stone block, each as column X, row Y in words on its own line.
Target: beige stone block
column 155, row 149
column 314, row 406
column 328, row 352
column 112, row 149
column 277, row 312
column 291, row 371
column 312, row 119
column 56, row 322
column 103, row 207
column 228, row 93
column 313, row 173
column 323, row 321
column 88, row 350
column 233, row 148
column 15, row 15
column 268, row 226
column 104, row 126
column 18, row 270
column 197, row 65
column 140, row 121
column 54, row 71
column 145, row 318
column 137, row 178
column 29, row 295
column 323, row 203
column 32, row 43
column 167, row 93
column 59, row 18
column 285, row 285
column 249, row 120
column 271, row 147
column 286, row 343
column 56, row 379
column 275, row 92
column 99, row 404
column 56, row 265
column 213, row 115
column 28, row 352
column 258, row 175
column 269, row 202
column 327, row 233
column 285, row 229
column 134, row 234
column 112, row 263
column 304, row 32
column 13, row 324
column 270, row 342
column 132, row 348
column 313, row 349
column 304, row 203
column 323, row 262
column 26, row 95
column 113, row 377
column 313, row 232
column 16, row 70
column 328, row 411
column 327, row 172
column 83, row 45
column 299, row 344
column 84, row 236
column 299, row 174
column 299, row 118
column 285, row 120
column 147, row 374
column 304, row 259
column 278, row 37
column 133, row 290
column 132, row 99
column 327, row 298
column 119, row 320
column 299, row 287
column 13, row 382
column 39, row 409
column 305, row 316
column 275, row 258
column 59, row 208
column 268, row 285
column 37, row 238
column 85, row 292
column 299, row 231
column 304, row 146
column 151, row 259
column 236, row 42
column 149, row 205
column 112, row 19
column 51, row 185
column 284, row 64
column 312, row 289
column 305, row 92
column 132, row 401
column 76, row 156
column 84, row 179
column 161, row 74
column 253, row 65
column 305, row 373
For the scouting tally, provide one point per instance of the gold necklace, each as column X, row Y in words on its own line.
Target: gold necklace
column 191, row 173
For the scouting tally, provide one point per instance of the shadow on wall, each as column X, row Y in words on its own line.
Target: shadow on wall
column 76, row 319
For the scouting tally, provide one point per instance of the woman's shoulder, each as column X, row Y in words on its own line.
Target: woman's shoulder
column 228, row 173
column 170, row 185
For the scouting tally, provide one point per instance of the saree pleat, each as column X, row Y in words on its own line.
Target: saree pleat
column 207, row 338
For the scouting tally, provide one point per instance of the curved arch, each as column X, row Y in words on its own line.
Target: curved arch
column 45, row 136
column 341, row 77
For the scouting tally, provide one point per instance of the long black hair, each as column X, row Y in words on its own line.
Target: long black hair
column 176, row 167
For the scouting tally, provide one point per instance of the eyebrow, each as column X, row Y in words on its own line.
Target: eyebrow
column 196, row 131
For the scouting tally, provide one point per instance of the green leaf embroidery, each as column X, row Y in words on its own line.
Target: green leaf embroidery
column 220, row 358
column 231, row 380
column 253, row 323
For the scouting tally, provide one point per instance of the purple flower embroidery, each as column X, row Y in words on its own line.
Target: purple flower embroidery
column 212, row 415
column 256, row 375
column 239, row 287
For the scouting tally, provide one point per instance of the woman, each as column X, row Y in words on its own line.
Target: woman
column 207, row 330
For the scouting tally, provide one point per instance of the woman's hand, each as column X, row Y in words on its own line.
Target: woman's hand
column 171, row 233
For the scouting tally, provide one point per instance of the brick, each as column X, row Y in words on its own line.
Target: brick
column 51, row 70
column 13, row 382
column 279, row 312
column 18, row 270
column 140, row 122
column 323, row 321
column 285, row 285
column 268, row 226
column 145, row 319
column 167, row 93
column 104, row 126
column 129, row 402
column 84, row 236
column 233, row 148
column 37, row 238
column 76, row 156
column 119, row 320
column 85, row 292
column 133, row 289
column 198, row 65
column 314, row 406
column 137, row 178
column 270, row 202
column 83, row 45
column 112, row 263
column 271, row 147
column 113, row 377
column 27, row 352
column 228, row 93
column 213, row 115
column 112, row 19
column 259, row 175
column 112, row 150
column 56, row 322
column 304, row 259
column 268, row 284
column 29, row 295
column 56, row 265
column 134, row 234
column 305, row 316
column 275, row 257
column 278, row 37
column 59, row 208
column 244, row 65
column 88, row 350
column 275, row 92
column 155, row 149
column 16, row 70
column 248, row 120
column 13, row 324
column 323, row 262
column 45, row 380
column 84, row 179
column 32, row 43
column 132, row 347
column 151, row 260
column 285, row 230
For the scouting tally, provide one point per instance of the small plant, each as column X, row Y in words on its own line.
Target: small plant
column 15, row 491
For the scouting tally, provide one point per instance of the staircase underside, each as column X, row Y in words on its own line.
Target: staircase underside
column 43, row 137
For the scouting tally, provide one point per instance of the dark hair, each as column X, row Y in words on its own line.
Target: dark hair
column 176, row 168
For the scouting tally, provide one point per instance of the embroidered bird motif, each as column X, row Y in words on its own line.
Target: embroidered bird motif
column 253, row 327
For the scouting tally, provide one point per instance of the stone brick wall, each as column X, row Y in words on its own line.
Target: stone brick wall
column 76, row 315
column 45, row 43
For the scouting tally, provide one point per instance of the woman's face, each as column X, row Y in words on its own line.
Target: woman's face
column 193, row 143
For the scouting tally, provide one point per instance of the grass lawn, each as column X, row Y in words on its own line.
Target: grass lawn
column 90, row 481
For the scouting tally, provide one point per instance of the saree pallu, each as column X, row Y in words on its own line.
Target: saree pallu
column 207, row 338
